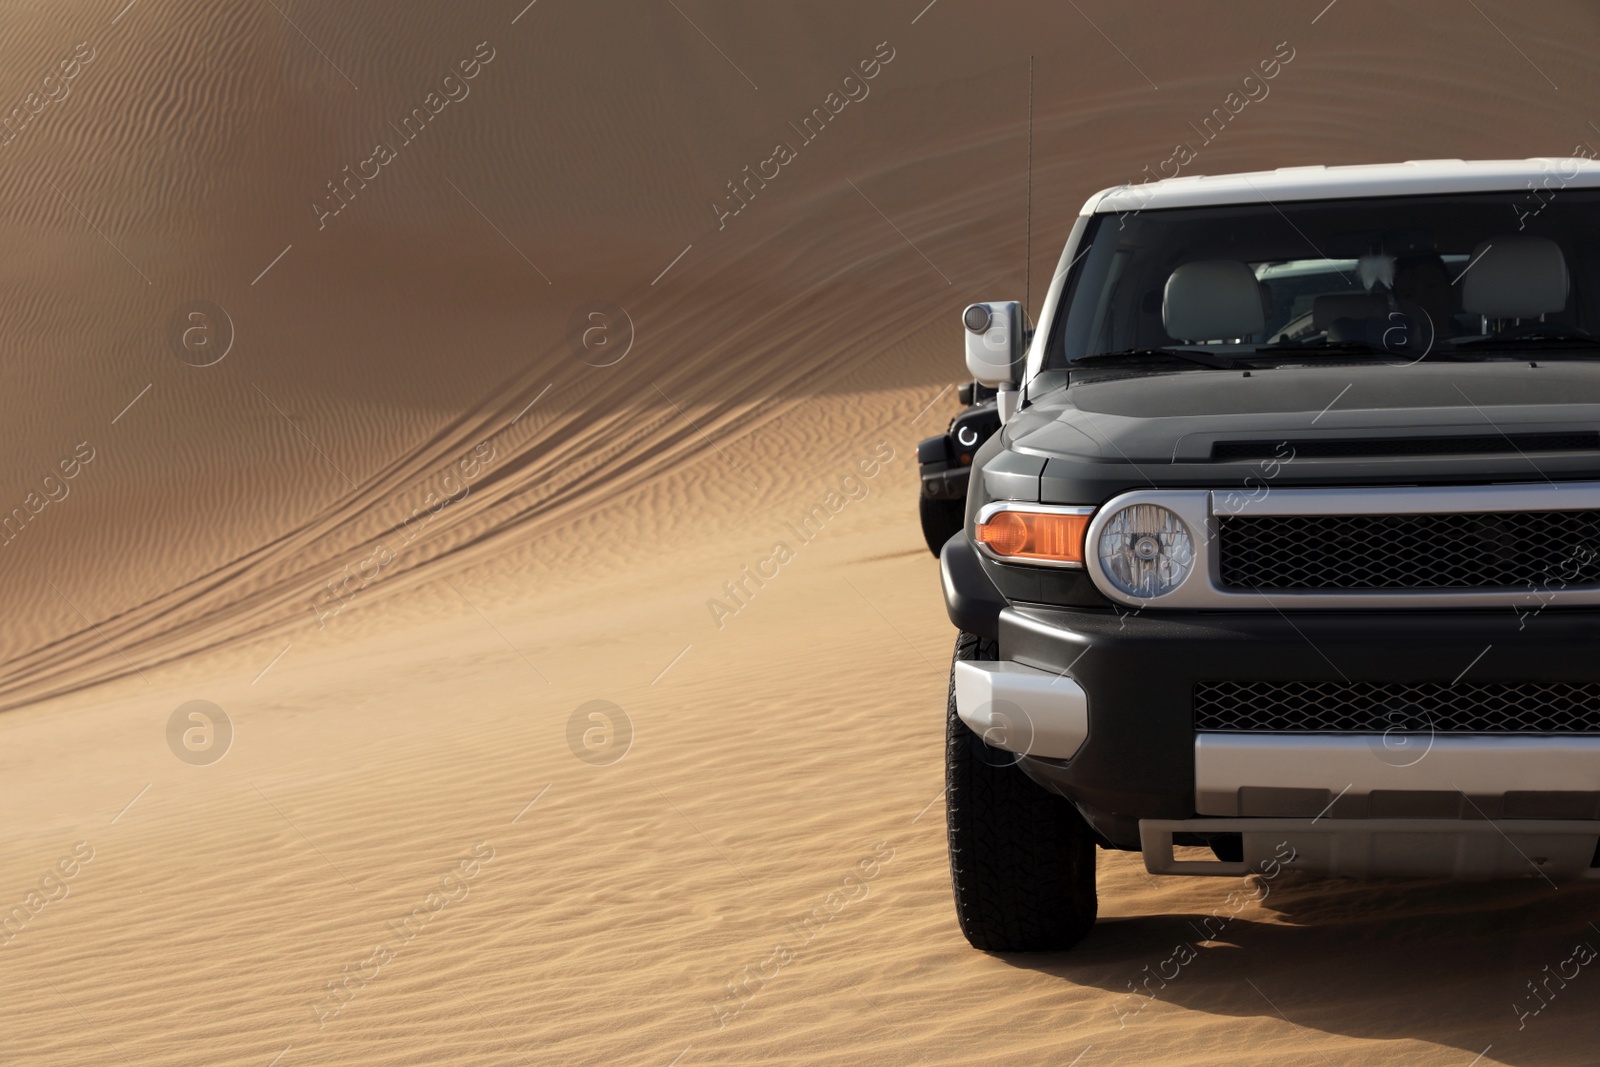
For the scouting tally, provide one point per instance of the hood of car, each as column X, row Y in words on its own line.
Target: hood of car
column 1352, row 423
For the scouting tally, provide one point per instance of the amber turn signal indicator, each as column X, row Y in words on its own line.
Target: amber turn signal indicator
column 1034, row 535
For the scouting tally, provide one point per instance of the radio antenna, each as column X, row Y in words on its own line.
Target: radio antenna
column 1027, row 293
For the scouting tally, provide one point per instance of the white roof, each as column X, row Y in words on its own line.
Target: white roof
column 1413, row 178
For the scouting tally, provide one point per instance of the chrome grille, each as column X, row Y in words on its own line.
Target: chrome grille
column 1485, row 550
column 1376, row 707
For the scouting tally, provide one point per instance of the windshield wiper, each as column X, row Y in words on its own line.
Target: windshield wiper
column 1205, row 359
column 1352, row 348
column 1532, row 340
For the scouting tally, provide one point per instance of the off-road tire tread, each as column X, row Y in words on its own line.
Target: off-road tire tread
column 1022, row 860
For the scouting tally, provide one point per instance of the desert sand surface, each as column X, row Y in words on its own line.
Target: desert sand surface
column 404, row 531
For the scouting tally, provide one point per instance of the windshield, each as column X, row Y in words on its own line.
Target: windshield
column 1401, row 274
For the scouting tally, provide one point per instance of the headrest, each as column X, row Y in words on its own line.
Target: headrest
column 1212, row 300
column 1324, row 309
column 1518, row 276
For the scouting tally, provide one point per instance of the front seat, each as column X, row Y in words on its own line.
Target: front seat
column 1212, row 300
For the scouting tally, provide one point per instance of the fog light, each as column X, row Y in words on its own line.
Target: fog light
column 1146, row 551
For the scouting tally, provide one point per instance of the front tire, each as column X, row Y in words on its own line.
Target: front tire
column 1022, row 860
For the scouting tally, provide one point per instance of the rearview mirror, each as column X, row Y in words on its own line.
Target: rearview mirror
column 995, row 345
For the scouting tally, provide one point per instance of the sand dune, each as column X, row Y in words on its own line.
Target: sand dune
column 275, row 533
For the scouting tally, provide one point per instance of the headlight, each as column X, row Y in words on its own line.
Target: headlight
column 1146, row 550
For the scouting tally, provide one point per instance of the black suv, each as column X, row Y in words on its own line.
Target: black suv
column 1288, row 546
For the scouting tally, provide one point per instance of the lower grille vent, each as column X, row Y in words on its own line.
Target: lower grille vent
column 1371, row 707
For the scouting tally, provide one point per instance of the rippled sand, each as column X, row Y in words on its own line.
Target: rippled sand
column 406, row 532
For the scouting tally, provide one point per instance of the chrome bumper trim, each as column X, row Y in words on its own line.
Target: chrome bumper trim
column 1022, row 709
column 1226, row 765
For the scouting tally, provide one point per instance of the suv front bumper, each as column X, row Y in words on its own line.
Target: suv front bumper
column 1127, row 686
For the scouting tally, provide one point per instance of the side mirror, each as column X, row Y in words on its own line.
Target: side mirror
column 995, row 345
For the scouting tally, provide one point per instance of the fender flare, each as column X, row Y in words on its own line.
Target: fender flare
column 970, row 597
